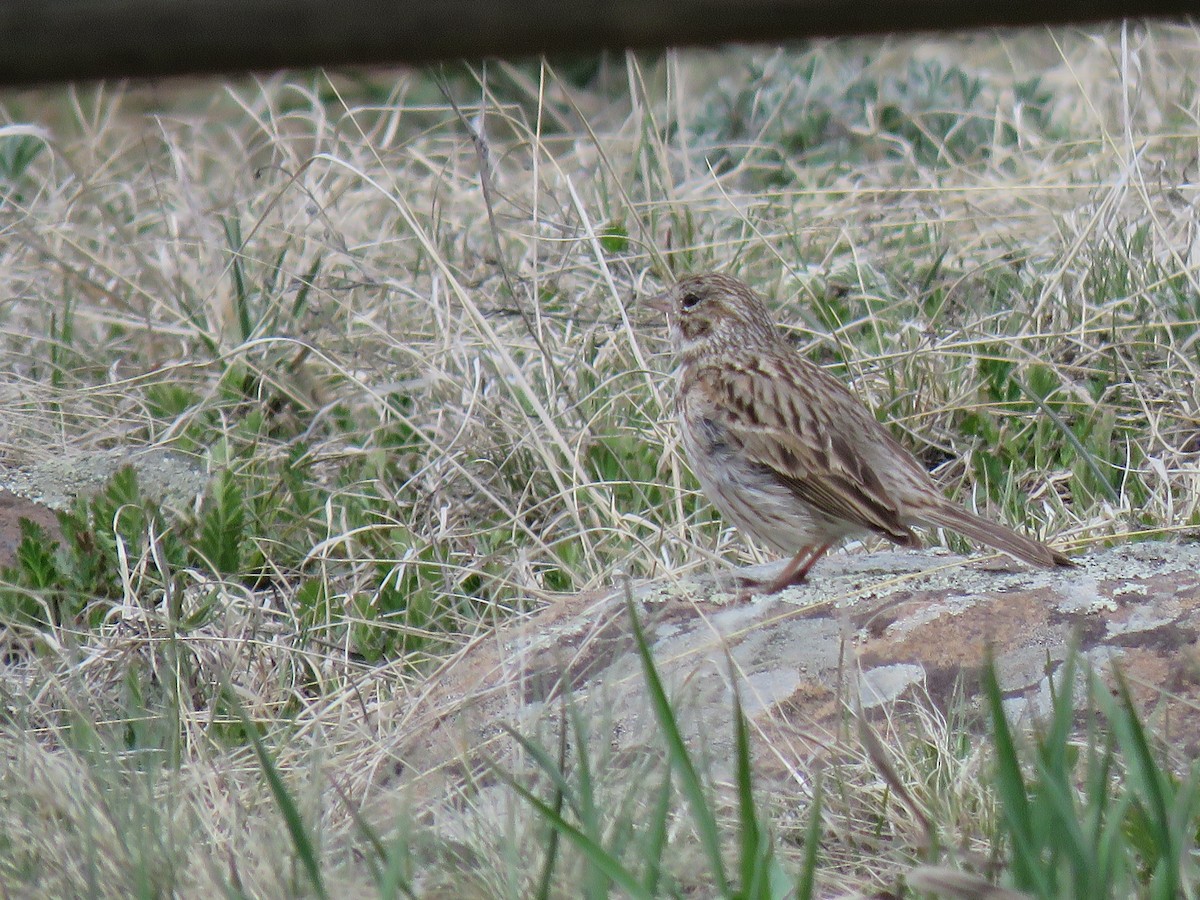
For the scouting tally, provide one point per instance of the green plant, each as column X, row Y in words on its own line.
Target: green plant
column 20, row 146
column 787, row 113
column 1099, row 817
column 631, row 857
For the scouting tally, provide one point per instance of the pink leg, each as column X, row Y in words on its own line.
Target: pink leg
column 797, row 570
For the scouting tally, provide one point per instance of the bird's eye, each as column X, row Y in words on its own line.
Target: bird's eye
column 690, row 300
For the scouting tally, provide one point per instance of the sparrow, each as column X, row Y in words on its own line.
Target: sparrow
column 785, row 451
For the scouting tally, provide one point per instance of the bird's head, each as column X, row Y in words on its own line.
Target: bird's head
column 714, row 313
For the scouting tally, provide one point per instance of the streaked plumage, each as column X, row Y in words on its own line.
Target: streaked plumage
column 785, row 451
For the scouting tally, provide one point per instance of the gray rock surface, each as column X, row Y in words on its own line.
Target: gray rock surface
column 870, row 629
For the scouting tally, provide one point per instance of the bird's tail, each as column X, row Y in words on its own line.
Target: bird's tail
column 994, row 535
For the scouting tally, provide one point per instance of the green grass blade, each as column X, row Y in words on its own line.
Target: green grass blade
column 1089, row 459
column 547, row 763
column 550, row 860
column 595, row 853
column 755, row 850
column 1152, row 787
column 389, row 879
column 284, row 800
column 1010, row 785
column 594, row 885
column 656, row 837
column 691, row 786
column 807, row 885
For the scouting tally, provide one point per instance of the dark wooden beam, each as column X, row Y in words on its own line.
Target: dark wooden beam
column 66, row 40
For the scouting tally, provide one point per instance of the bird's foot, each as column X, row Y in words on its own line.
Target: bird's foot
column 748, row 588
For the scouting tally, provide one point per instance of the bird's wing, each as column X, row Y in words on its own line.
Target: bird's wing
column 807, row 430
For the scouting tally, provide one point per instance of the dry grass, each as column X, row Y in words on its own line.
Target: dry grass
column 401, row 309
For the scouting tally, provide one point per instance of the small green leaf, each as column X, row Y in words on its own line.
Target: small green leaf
column 614, row 238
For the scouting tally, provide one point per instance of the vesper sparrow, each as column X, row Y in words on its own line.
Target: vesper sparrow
column 785, row 451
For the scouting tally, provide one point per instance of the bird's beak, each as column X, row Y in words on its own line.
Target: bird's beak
column 659, row 302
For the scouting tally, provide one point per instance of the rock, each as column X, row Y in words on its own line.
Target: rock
column 872, row 629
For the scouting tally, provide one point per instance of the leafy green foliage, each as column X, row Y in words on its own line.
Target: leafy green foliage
column 222, row 534
column 816, row 108
column 83, row 572
column 102, row 537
